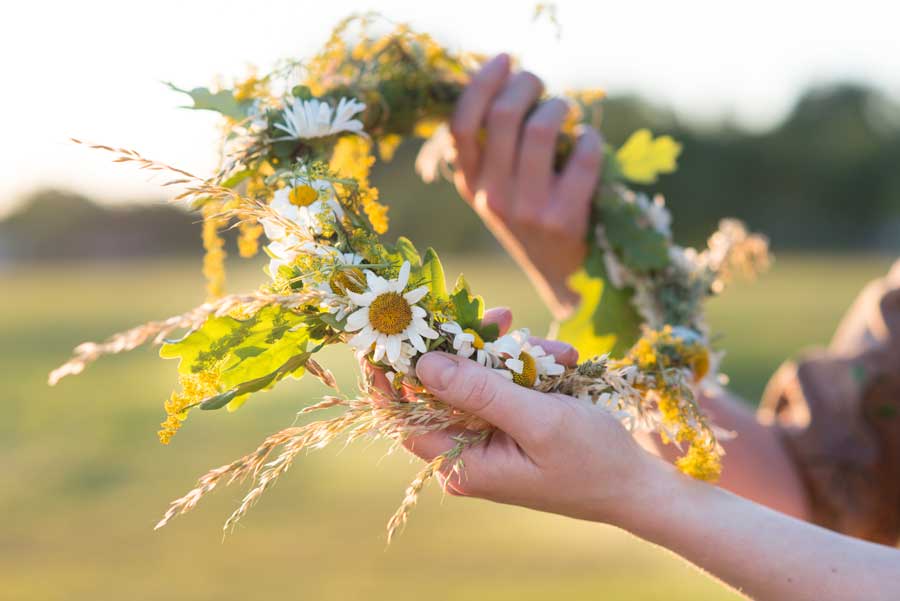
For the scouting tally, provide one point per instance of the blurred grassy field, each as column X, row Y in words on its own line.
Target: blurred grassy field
column 84, row 480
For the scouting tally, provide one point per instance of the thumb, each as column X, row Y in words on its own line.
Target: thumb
column 526, row 415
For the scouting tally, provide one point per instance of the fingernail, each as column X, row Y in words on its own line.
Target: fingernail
column 436, row 370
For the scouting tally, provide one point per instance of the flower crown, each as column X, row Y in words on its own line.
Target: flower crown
column 297, row 152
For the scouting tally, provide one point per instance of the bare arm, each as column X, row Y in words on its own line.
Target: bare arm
column 756, row 465
column 760, row 552
column 554, row 453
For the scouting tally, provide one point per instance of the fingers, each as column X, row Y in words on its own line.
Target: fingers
column 500, row 316
column 430, row 445
column 530, row 417
column 564, row 353
column 504, row 122
column 471, row 110
column 575, row 187
column 534, row 169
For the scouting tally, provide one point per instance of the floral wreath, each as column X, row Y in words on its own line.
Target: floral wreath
column 297, row 151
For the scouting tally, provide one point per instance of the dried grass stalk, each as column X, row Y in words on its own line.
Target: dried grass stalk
column 157, row 331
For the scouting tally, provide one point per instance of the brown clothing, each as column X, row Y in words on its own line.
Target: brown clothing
column 839, row 412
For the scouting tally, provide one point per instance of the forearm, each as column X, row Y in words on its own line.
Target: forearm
column 763, row 553
column 756, row 465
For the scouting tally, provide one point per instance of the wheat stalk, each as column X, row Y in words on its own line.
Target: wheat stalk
column 88, row 352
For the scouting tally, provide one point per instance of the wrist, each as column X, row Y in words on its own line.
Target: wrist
column 649, row 487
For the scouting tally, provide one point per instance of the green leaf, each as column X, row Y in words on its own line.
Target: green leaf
column 461, row 284
column 468, row 309
column 293, row 365
column 214, row 343
column 241, row 350
column 222, row 101
column 247, row 366
column 433, row 275
column 301, row 92
column 639, row 246
column 606, row 321
column 489, row 332
column 407, row 250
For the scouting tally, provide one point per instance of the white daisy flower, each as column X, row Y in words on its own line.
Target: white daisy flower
column 436, row 154
column 304, row 204
column 315, row 118
column 284, row 250
column 388, row 316
column 467, row 343
column 526, row 363
column 344, row 278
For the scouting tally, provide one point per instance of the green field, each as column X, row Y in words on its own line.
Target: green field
column 84, row 479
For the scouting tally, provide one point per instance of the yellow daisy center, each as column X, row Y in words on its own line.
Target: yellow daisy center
column 390, row 313
column 698, row 361
column 529, row 371
column 344, row 280
column 303, row 196
column 478, row 343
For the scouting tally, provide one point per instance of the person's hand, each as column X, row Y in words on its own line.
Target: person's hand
column 538, row 215
column 552, row 452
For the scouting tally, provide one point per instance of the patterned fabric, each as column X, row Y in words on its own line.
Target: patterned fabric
column 839, row 413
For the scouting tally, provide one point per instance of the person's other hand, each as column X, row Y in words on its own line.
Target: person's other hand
column 505, row 169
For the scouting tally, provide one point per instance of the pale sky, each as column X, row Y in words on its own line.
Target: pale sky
column 92, row 69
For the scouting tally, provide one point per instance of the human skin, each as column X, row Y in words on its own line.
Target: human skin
column 509, row 181
column 557, row 454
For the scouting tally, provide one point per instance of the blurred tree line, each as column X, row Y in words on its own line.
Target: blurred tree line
column 826, row 177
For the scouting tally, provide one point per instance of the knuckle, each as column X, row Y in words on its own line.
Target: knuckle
column 528, row 218
column 503, row 113
column 541, row 131
column 554, row 224
column 479, row 393
column 461, row 132
column 588, row 159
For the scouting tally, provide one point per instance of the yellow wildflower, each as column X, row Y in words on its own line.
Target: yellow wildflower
column 248, row 238
column 214, row 245
column 194, row 388
column 352, row 159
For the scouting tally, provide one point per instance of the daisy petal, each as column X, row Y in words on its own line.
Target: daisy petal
column 515, row 365
column 414, row 296
column 403, row 278
column 363, row 300
column 364, row 339
column 416, row 340
column 393, row 348
column 358, row 320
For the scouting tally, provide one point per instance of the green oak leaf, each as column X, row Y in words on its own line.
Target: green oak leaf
column 234, row 397
column 242, row 350
column 222, row 101
column 639, row 246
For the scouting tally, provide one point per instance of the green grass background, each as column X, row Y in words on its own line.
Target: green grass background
column 83, row 479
